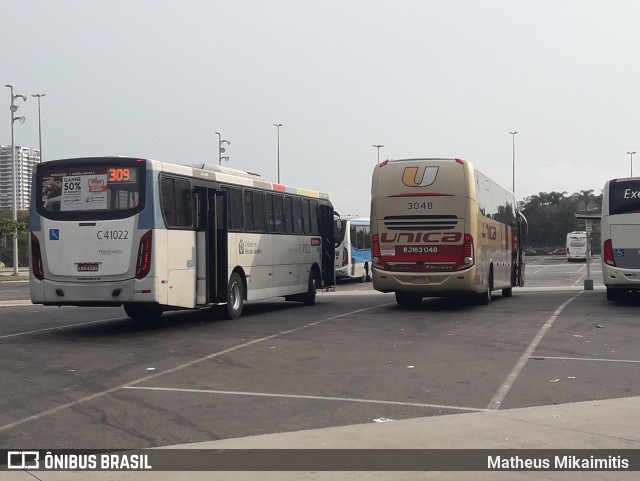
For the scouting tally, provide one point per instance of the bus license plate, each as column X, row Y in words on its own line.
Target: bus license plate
column 421, row 280
column 88, row 267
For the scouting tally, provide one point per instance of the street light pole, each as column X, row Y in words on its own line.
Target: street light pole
column 39, row 125
column 278, row 126
column 221, row 149
column 631, row 154
column 13, row 108
column 513, row 167
column 378, row 146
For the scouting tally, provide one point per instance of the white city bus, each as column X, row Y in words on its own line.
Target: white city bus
column 353, row 253
column 577, row 246
column 153, row 236
column 440, row 227
column 620, row 236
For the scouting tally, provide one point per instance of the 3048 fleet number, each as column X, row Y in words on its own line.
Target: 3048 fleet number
column 420, row 205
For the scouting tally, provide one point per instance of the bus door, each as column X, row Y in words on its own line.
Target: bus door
column 211, row 243
column 328, row 233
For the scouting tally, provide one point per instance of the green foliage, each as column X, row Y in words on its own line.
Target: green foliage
column 7, row 227
column 551, row 215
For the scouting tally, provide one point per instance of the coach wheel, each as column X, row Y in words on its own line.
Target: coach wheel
column 143, row 312
column 485, row 297
column 363, row 277
column 314, row 282
column 408, row 299
column 235, row 297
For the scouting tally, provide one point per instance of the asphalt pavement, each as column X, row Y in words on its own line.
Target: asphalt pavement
column 603, row 424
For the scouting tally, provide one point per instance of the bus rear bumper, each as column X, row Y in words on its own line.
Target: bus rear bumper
column 58, row 293
column 616, row 278
column 431, row 284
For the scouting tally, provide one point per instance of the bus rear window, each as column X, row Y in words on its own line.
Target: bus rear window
column 624, row 197
column 89, row 189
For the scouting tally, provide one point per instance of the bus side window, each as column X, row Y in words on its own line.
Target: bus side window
column 278, row 214
column 288, row 215
column 176, row 204
column 249, row 219
column 268, row 211
column 297, row 215
column 167, row 196
column 236, row 220
column 184, row 209
column 306, row 216
column 259, row 211
column 315, row 225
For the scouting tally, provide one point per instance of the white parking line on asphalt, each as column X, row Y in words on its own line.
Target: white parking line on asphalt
column 511, row 378
column 185, row 365
column 302, row 396
column 583, row 359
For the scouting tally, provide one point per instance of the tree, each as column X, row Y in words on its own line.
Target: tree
column 585, row 197
column 550, row 215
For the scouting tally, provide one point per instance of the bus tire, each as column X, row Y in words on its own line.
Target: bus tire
column 612, row 294
column 508, row 292
column 408, row 299
column 235, row 297
column 142, row 311
column 314, row 281
column 363, row 277
column 484, row 298
column 368, row 273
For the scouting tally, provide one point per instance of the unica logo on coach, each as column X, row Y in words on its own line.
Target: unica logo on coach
column 419, row 176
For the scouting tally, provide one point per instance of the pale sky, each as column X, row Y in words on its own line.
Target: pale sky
column 448, row 78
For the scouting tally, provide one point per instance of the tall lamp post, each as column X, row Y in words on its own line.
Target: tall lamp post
column 631, row 154
column 39, row 96
column 221, row 149
column 278, row 127
column 378, row 146
column 13, row 108
column 513, row 167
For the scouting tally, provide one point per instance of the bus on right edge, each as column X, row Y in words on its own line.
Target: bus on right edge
column 621, row 237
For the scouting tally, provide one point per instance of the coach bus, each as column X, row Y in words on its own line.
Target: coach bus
column 620, row 236
column 577, row 246
column 153, row 236
column 353, row 253
column 440, row 227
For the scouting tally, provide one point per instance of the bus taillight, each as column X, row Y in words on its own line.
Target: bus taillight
column 466, row 258
column 144, row 256
column 375, row 245
column 608, row 253
column 345, row 256
column 36, row 258
column 376, row 258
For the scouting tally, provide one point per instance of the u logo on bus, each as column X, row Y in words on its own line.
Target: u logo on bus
column 419, row 176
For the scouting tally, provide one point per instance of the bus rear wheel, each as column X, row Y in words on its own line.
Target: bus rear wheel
column 612, row 294
column 235, row 297
column 485, row 297
column 147, row 312
column 309, row 298
column 408, row 299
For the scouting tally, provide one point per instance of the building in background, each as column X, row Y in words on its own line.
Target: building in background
column 26, row 160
